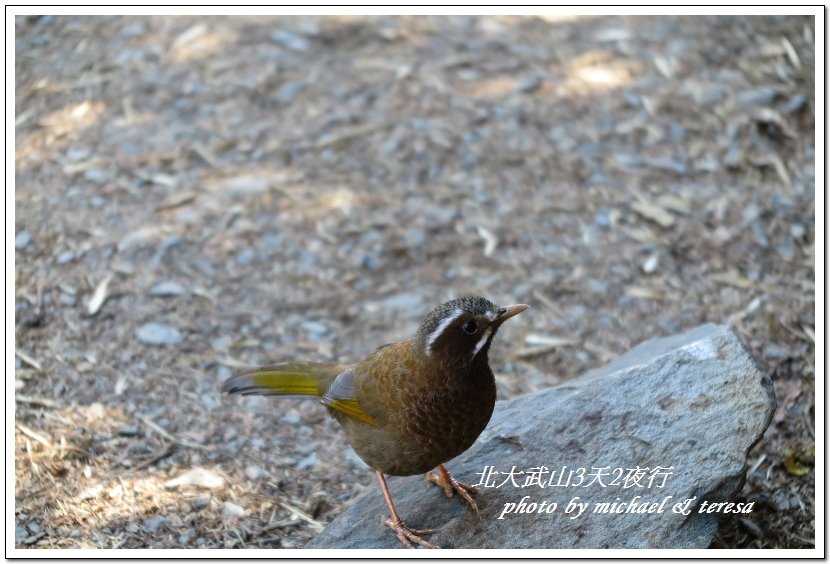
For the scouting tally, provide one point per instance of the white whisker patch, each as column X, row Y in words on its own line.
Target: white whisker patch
column 481, row 342
column 491, row 315
column 441, row 328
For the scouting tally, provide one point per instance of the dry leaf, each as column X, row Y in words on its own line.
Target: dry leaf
column 99, row 296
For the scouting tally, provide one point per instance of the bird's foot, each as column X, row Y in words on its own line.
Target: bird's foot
column 406, row 534
column 446, row 481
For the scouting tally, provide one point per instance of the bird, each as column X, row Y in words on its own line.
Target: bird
column 410, row 406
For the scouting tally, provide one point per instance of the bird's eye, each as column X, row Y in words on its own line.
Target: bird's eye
column 470, row 327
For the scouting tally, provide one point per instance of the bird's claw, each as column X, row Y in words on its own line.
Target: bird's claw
column 406, row 534
column 446, row 481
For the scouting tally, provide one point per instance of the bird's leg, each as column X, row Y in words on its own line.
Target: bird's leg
column 404, row 533
column 446, row 481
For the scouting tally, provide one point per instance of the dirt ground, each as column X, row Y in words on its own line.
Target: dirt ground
column 198, row 194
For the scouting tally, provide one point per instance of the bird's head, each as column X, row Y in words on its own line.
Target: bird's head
column 461, row 330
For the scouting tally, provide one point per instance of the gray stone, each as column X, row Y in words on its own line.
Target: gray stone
column 290, row 418
column 309, row 461
column 402, row 301
column 288, row 91
column 315, row 328
column 186, row 536
column 254, row 472
column 291, row 40
column 761, row 96
column 690, row 406
column 22, row 240
column 158, row 334
column 530, row 83
column 245, row 256
column 128, row 431
column 166, row 289
column 152, row 525
column 795, row 104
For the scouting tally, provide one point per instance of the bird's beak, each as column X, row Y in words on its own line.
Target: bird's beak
column 510, row 311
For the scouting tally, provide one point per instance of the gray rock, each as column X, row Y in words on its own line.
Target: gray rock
column 761, row 96
column 22, row 240
column 402, row 301
column 254, row 472
column 166, row 289
column 530, row 83
column 291, row 40
column 316, row 328
column 20, row 533
column 158, row 334
column 152, row 525
column 290, row 418
column 309, row 461
column 288, row 91
column 128, row 431
column 795, row 104
column 690, row 406
column 65, row 257
column 245, row 256
column 186, row 536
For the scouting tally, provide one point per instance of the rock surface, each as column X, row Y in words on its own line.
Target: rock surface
column 692, row 404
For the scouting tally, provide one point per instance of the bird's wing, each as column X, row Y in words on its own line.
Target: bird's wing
column 341, row 396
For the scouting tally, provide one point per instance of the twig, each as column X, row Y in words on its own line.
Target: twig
column 152, row 460
column 183, row 442
column 316, row 525
column 44, row 402
column 34, row 435
column 28, row 360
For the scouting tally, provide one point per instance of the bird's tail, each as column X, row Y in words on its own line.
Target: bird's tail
column 288, row 379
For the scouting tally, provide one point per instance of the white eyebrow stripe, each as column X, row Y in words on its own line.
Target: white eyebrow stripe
column 441, row 327
column 491, row 315
column 481, row 342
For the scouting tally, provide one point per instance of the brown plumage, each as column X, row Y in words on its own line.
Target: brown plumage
column 410, row 406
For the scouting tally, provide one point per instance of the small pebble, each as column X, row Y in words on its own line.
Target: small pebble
column 245, row 256
column 762, row 96
column 530, row 84
column 185, row 537
column 22, row 240
column 128, row 431
column 290, row 418
column 786, row 250
column 65, row 257
column 199, row 503
column 402, row 301
column 797, row 231
column 152, row 525
column 795, row 104
column 158, row 334
column 253, row 472
column 166, row 289
column 602, row 219
column 776, row 352
column 232, row 511
column 290, row 40
column 289, row 91
column 309, row 461
column 220, row 344
column 650, row 264
column 316, row 328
